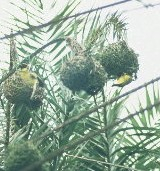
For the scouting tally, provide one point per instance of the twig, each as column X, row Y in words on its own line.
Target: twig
column 88, row 136
column 8, row 120
column 98, row 114
column 107, row 144
column 103, row 162
column 87, row 113
column 33, row 28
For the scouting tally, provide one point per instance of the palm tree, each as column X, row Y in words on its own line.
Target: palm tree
column 78, row 130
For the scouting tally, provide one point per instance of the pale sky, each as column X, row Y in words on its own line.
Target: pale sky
column 143, row 31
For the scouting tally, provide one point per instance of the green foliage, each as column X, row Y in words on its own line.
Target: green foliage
column 68, row 117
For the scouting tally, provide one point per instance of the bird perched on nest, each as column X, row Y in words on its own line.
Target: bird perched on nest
column 30, row 78
column 26, row 92
column 24, row 86
column 123, row 80
column 24, row 89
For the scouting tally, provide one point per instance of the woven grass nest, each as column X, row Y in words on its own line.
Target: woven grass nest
column 118, row 59
column 18, row 90
column 83, row 73
column 20, row 155
column 96, row 80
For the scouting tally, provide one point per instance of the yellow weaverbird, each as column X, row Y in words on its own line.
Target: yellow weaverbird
column 30, row 79
column 123, row 80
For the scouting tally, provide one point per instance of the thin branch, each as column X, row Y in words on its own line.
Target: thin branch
column 98, row 161
column 107, row 144
column 88, row 136
column 8, row 120
column 98, row 114
column 30, row 30
column 33, row 28
column 87, row 113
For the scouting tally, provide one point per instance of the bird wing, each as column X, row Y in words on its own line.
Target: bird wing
column 123, row 80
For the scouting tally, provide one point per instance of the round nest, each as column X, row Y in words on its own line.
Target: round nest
column 21, row 155
column 118, row 59
column 75, row 73
column 96, row 79
column 18, row 90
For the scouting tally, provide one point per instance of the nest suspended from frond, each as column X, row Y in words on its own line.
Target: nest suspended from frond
column 118, row 59
column 83, row 73
column 23, row 87
column 75, row 72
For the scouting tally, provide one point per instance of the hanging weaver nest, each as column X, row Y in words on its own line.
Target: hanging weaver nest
column 21, row 155
column 82, row 73
column 23, row 87
column 96, row 79
column 75, row 72
column 118, row 59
